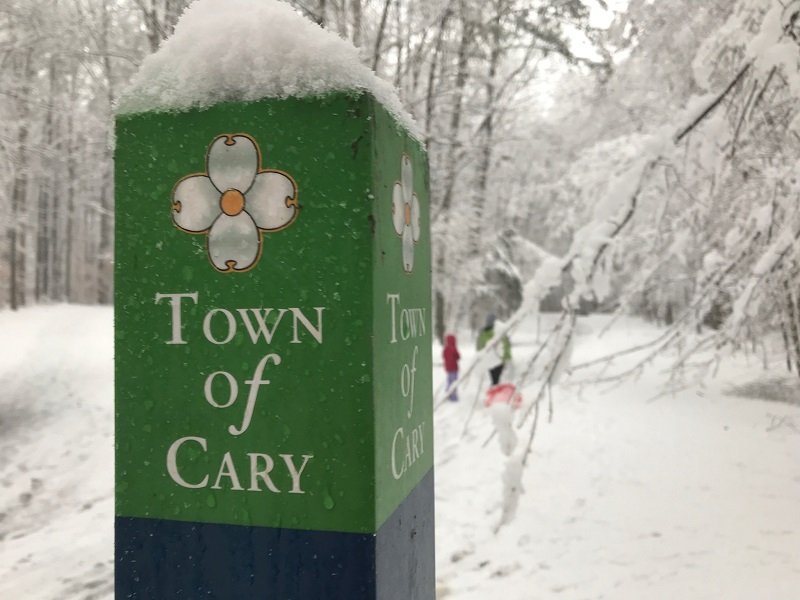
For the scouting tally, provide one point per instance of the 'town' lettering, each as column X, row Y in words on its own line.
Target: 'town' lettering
column 407, row 322
column 220, row 325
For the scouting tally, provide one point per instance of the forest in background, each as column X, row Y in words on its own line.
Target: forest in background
column 637, row 156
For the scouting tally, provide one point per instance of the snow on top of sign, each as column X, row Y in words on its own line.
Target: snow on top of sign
column 241, row 50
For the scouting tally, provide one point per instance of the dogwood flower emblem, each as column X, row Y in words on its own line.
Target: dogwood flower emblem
column 406, row 215
column 234, row 202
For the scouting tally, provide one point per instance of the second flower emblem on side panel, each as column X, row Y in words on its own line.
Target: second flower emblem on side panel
column 234, row 203
column 406, row 216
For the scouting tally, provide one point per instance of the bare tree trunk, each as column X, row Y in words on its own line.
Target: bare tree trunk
column 357, row 21
column 399, row 64
column 486, row 133
column 69, row 245
column 55, row 271
column 794, row 329
column 320, row 15
column 787, row 347
column 442, row 308
column 19, row 191
column 376, row 54
column 430, row 97
column 68, row 236
column 152, row 24
column 44, row 216
column 103, row 272
column 159, row 24
column 341, row 19
column 455, row 116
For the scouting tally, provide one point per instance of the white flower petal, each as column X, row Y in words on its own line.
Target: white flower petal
column 408, row 250
column 272, row 200
column 406, row 178
column 416, row 218
column 398, row 209
column 234, row 243
column 233, row 162
column 195, row 203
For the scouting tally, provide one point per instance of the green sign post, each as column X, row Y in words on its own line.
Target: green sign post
column 273, row 353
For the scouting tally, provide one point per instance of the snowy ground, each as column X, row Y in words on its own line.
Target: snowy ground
column 56, row 454
column 694, row 496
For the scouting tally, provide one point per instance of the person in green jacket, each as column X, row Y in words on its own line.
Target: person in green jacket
column 503, row 349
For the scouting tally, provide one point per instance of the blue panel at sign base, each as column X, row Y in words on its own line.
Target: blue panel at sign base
column 159, row 559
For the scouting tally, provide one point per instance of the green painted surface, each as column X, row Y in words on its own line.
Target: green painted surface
column 402, row 313
column 334, row 394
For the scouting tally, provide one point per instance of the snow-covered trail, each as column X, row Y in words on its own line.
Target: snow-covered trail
column 691, row 497
column 57, row 453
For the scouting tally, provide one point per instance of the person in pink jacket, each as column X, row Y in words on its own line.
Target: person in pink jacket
column 451, row 356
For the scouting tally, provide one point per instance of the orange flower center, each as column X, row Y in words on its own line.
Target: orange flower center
column 408, row 215
column 232, row 202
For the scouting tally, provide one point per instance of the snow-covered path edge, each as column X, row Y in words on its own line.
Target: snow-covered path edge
column 57, row 449
column 694, row 496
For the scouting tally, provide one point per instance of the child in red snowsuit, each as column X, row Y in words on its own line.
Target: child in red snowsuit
column 451, row 356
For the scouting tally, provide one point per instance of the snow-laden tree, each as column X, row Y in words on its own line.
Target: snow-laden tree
column 710, row 242
column 679, row 201
column 63, row 64
column 682, row 154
